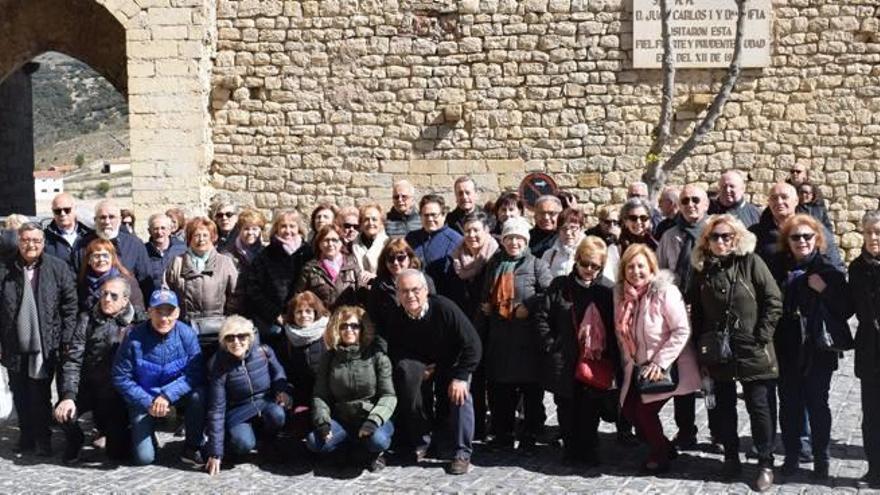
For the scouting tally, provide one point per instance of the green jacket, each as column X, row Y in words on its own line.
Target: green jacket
column 354, row 385
column 756, row 302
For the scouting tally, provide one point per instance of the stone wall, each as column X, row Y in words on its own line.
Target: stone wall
column 335, row 99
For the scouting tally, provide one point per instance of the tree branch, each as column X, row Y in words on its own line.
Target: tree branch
column 664, row 126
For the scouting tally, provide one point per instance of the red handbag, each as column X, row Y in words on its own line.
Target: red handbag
column 595, row 373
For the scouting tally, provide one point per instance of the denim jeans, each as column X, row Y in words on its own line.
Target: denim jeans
column 143, row 425
column 376, row 443
column 242, row 438
column 801, row 396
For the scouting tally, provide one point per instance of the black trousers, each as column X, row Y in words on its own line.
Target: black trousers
column 481, row 406
column 109, row 411
column 579, row 417
column 755, row 394
column 504, row 399
column 33, row 406
column 871, row 422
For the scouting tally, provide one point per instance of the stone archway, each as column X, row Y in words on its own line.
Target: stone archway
column 158, row 57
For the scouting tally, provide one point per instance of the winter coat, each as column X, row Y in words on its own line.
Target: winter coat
column 301, row 365
column 794, row 350
column 235, row 389
column 270, row 281
column 347, row 288
column 557, row 320
column 513, row 349
column 354, row 385
column 756, row 303
column 864, row 290
column 399, row 224
column 131, row 253
column 55, row 294
column 88, row 298
column 241, row 259
column 559, row 258
column 540, row 241
column 210, row 292
column 746, row 212
column 382, row 300
column 88, row 354
column 149, row 364
column 159, row 262
column 435, row 251
column 368, row 257
column 662, row 334
column 767, row 246
column 56, row 245
column 455, row 217
column 817, row 210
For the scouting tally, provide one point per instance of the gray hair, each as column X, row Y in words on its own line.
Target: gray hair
column 223, row 203
column 29, row 226
column 236, row 324
column 463, row 179
column 870, row 218
column 671, row 193
column 412, row 272
column 126, row 288
column 404, row 183
column 548, row 197
column 633, row 203
column 156, row 216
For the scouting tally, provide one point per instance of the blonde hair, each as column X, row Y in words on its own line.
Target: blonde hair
column 631, row 252
column 340, row 316
column 235, row 324
column 591, row 245
column 297, row 218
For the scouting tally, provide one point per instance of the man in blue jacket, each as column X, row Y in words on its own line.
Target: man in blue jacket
column 161, row 248
column 159, row 364
column 434, row 242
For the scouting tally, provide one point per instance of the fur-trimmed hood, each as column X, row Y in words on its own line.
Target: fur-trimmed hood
column 746, row 244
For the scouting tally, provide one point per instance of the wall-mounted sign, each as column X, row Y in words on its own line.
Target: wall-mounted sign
column 535, row 185
column 702, row 33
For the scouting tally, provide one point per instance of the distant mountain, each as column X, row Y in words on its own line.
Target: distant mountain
column 76, row 111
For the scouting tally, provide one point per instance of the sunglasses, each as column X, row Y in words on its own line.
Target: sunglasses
column 795, row 171
column 349, row 326
column 399, row 258
column 801, row 237
column 241, row 337
column 690, row 199
column 721, row 236
column 638, row 218
column 611, row 223
column 58, row 211
column 350, row 226
column 224, row 214
column 114, row 296
column 590, row 266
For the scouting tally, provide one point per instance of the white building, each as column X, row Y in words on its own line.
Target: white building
column 47, row 183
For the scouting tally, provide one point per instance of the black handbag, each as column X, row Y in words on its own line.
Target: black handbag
column 713, row 347
column 828, row 331
column 667, row 383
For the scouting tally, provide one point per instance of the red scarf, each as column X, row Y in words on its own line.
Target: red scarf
column 591, row 333
column 626, row 316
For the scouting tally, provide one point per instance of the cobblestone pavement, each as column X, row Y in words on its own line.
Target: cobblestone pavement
column 693, row 472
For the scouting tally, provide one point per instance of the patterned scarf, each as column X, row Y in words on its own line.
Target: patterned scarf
column 626, row 316
column 503, row 286
column 468, row 266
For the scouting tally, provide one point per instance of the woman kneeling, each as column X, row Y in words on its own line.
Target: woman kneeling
column 354, row 395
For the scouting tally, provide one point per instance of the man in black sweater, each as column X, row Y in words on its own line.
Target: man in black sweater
column 434, row 349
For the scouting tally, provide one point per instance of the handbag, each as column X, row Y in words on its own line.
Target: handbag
column 207, row 326
column 713, row 347
column 667, row 383
column 595, row 373
column 828, row 331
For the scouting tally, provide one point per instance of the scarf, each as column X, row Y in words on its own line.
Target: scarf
column 503, row 285
column 198, row 262
column 303, row 336
column 28, row 325
column 626, row 317
column 247, row 252
column 560, row 258
column 290, row 246
column 683, row 270
column 332, row 267
column 591, row 333
column 626, row 239
column 468, row 266
column 869, row 258
column 95, row 281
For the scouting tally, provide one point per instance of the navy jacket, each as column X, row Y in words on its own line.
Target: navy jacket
column 435, row 249
column 158, row 262
column 746, row 212
column 58, row 247
column 767, row 247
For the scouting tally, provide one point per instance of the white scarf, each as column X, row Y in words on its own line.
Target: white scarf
column 303, row 336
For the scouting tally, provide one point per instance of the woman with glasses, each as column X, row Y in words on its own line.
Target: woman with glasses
column 636, row 217
column 570, row 232
column 334, row 275
column 247, row 395
column 354, row 393
column 126, row 220
column 733, row 291
column 808, row 280
column 102, row 264
column 249, row 241
column 396, row 257
column 348, row 222
column 576, row 323
column 811, row 202
column 225, row 216
column 372, row 238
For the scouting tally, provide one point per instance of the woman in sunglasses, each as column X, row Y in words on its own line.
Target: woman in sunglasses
column 349, row 223
column 396, row 257
column 101, row 264
column 637, row 228
column 354, row 394
column 247, row 395
column 808, row 280
column 811, row 202
column 733, row 291
column 249, row 241
column 576, row 323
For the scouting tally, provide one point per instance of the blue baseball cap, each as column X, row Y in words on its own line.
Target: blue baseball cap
column 163, row 296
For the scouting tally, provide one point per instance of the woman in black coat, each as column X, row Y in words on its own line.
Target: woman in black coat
column 864, row 285
column 395, row 257
column 567, row 338
column 809, row 281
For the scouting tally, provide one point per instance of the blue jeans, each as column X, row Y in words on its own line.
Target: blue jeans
column 800, row 397
column 241, row 438
column 143, row 425
column 376, row 443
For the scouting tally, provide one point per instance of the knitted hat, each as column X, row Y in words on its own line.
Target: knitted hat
column 516, row 226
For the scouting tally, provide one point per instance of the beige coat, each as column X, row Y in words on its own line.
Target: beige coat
column 209, row 293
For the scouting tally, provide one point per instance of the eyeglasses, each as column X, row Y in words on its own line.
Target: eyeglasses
column 349, row 326
column 398, row 258
column 35, row 242
column 331, row 240
column 590, row 266
column 400, row 196
column 59, row 211
column 350, row 226
column 721, row 236
column 805, row 192
column 241, row 337
column 638, row 218
column 551, row 213
column 432, row 215
column 690, row 199
column 99, row 256
column 611, row 223
column 806, row 236
column 114, row 296
column 224, row 214
column 572, row 227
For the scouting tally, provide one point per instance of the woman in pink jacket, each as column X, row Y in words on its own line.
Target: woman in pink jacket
column 652, row 331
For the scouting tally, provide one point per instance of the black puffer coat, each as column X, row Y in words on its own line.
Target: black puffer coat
column 270, row 280
column 864, row 289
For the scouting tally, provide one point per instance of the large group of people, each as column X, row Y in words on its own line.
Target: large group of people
column 357, row 333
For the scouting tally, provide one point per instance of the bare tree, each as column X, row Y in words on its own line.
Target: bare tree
column 656, row 173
